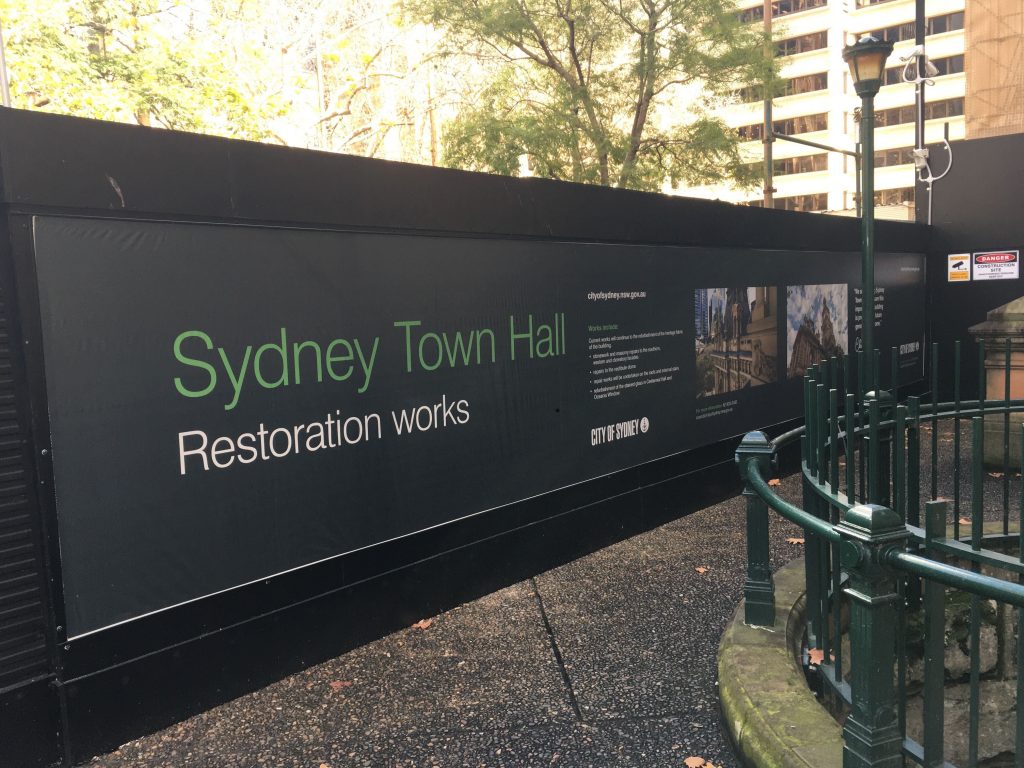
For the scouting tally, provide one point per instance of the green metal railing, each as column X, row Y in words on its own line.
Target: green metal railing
column 882, row 549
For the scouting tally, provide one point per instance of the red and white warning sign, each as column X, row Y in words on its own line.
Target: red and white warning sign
column 997, row 265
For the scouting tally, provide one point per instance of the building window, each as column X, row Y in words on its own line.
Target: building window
column 790, row 127
column 933, row 111
column 786, row 7
column 948, row 23
column 888, row 157
column 791, row 165
column 818, row 202
column 815, row 41
column 804, row 124
column 936, row 25
column 781, row 8
column 948, row 65
column 807, row 83
column 901, row 196
column 804, row 164
column 802, row 84
column 753, row 14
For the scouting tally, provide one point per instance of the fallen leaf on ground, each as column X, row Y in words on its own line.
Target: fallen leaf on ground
column 423, row 624
column 774, row 482
column 995, row 474
column 816, row 656
column 701, row 569
column 337, row 685
column 794, row 540
column 695, row 762
column 324, row 765
column 964, row 521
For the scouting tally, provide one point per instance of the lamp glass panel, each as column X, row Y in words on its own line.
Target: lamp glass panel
column 870, row 65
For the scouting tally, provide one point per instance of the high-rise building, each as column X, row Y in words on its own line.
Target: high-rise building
column 700, row 312
column 977, row 46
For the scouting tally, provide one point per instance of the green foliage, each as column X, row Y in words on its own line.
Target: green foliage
column 616, row 92
column 155, row 63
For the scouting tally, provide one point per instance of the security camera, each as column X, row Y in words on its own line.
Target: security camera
column 910, row 73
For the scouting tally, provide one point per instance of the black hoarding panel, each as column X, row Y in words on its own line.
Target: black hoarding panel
column 132, row 171
column 976, row 208
column 229, row 403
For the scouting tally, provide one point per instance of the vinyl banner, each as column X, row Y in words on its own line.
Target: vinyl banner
column 228, row 403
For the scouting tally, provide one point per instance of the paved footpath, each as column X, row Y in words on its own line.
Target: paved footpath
column 606, row 661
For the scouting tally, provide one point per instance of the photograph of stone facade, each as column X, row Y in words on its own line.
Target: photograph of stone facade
column 736, row 332
column 817, row 325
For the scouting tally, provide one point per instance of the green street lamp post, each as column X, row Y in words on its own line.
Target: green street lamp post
column 866, row 59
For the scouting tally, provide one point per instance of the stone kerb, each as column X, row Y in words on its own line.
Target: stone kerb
column 770, row 714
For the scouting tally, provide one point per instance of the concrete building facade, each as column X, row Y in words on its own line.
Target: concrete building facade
column 976, row 45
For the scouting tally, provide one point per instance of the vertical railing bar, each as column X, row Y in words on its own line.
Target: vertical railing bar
column 876, row 371
column 1006, row 438
column 833, row 442
column 900, row 468
column 810, row 560
column 825, row 508
column 811, row 563
column 901, row 656
column 837, row 639
column 935, row 421
column 977, row 521
column 956, row 441
column 934, row 644
column 873, row 451
column 862, row 423
column 812, row 412
column 844, row 373
column 822, row 431
column 894, row 476
column 860, row 375
column 894, row 378
column 821, row 509
column 850, row 424
column 1019, row 739
column 914, row 456
column 981, row 377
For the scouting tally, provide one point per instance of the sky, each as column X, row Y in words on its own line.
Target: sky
column 806, row 299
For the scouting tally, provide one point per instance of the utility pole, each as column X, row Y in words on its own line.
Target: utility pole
column 766, row 131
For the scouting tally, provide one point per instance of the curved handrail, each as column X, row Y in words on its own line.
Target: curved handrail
column 877, row 554
column 945, row 410
column 789, row 511
column 985, row 586
column 968, row 409
column 958, row 578
column 823, row 490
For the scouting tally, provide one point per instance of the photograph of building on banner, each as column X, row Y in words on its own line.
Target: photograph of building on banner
column 736, row 332
column 817, row 325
